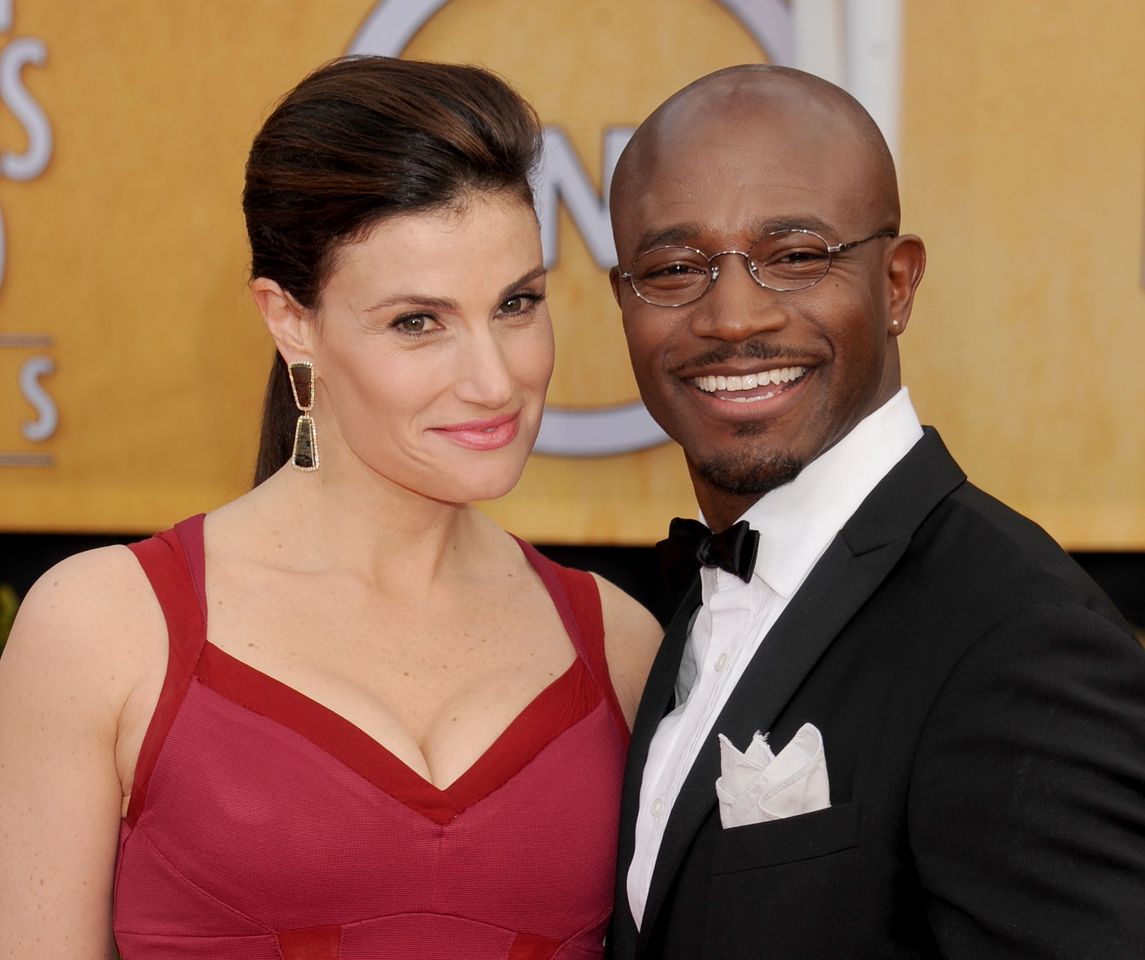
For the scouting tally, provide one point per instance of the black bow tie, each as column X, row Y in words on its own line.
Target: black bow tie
column 691, row 545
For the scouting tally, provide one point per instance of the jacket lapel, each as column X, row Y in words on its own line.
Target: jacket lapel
column 856, row 562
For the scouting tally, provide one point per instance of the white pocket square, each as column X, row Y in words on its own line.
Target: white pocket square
column 758, row 785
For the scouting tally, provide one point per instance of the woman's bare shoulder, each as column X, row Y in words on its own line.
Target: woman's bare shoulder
column 94, row 610
column 631, row 638
column 103, row 581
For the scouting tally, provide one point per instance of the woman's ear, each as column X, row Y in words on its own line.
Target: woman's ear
column 290, row 324
column 904, row 271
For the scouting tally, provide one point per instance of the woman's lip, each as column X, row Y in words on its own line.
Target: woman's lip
column 483, row 434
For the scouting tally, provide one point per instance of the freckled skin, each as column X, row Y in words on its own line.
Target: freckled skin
column 719, row 164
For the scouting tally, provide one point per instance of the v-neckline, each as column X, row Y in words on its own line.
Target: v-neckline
column 557, row 707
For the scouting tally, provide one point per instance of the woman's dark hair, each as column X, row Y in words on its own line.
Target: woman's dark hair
column 359, row 140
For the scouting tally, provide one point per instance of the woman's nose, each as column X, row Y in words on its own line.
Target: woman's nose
column 484, row 377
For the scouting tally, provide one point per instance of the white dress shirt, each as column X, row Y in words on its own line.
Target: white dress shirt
column 796, row 523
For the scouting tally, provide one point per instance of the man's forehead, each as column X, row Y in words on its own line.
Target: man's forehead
column 751, row 183
column 658, row 233
column 753, row 152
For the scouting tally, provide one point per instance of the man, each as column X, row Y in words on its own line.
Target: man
column 952, row 716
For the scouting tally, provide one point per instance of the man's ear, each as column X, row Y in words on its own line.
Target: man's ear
column 290, row 324
column 905, row 267
column 614, row 279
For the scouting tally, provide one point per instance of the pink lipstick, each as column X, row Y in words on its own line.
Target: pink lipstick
column 489, row 434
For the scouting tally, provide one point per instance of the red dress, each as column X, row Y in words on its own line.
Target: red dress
column 263, row 826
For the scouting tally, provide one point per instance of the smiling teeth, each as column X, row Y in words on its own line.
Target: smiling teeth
column 751, row 381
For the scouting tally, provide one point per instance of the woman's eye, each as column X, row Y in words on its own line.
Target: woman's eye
column 521, row 303
column 414, row 323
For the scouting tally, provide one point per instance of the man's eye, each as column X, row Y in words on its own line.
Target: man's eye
column 677, row 269
column 799, row 256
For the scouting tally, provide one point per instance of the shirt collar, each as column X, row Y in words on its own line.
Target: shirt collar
column 798, row 521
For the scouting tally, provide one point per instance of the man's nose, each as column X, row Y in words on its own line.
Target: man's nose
column 736, row 307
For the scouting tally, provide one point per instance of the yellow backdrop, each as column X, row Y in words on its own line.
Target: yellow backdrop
column 131, row 361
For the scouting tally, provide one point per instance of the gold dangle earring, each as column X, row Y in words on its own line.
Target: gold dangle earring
column 305, row 456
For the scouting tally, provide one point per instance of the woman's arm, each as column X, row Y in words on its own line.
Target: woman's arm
column 70, row 665
column 631, row 638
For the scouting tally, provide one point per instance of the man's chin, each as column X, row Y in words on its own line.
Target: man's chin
column 745, row 475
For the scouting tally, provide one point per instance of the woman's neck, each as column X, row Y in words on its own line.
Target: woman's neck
column 365, row 525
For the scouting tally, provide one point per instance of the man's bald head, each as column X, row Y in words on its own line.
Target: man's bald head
column 809, row 114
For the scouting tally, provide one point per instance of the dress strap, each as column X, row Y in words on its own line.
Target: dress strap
column 173, row 562
column 577, row 599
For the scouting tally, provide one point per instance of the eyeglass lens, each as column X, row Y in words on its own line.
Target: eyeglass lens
column 787, row 260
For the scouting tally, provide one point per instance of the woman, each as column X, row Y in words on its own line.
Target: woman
column 344, row 715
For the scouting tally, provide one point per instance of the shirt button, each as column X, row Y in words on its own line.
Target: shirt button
column 721, row 662
column 657, row 807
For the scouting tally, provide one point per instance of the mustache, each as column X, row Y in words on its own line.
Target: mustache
column 748, row 350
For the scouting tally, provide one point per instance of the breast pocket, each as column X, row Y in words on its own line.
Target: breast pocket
column 788, row 840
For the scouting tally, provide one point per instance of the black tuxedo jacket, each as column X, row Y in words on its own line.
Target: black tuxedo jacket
column 983, row 714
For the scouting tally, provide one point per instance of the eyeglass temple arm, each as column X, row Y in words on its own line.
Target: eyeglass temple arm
column 843, row 247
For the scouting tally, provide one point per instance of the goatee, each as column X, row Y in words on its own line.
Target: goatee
column 745, row 474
